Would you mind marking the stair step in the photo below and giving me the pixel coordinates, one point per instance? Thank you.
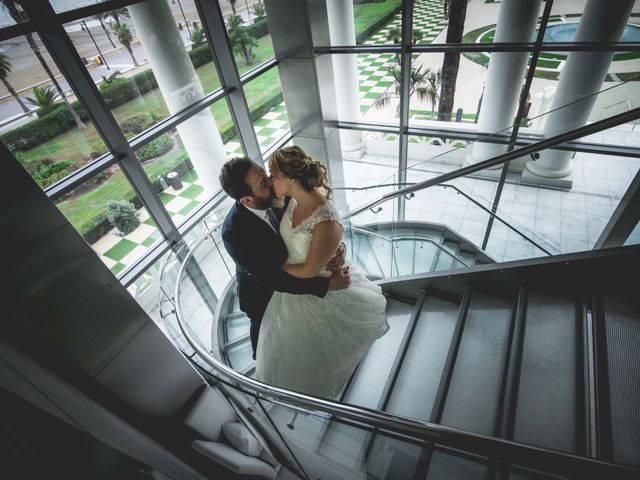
(417, 384)
(622, 320)
(468, 257)
(237, 324)
(446, 261)
(474, 393)
(372, 374)
(241, 355)
(547, 398)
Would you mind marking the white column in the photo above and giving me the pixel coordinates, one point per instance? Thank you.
(504, 79)
(582, 75)
(180, 86)
(345, 71)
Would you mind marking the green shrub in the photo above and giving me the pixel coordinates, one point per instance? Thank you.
(42, 129)
(46, 172)
(200, 55)
(155, 148)
(98, 148)
(137, 123)
(123, 216)
(259, 28)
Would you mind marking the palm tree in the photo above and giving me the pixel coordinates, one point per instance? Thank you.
(44, 98)
(101, 17)
(445, 6)
(5, 70)
(241, 40)
(197, 38)
(394, 35)
(451, 62)
(17, 13)
(433, 87)
(418, 85)
(124, 37)
(258, 11)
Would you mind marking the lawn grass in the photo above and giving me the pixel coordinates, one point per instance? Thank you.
(368, 13)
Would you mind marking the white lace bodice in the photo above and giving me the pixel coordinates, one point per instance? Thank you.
(298, 238)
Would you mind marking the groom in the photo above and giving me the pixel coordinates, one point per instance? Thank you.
(251, 236)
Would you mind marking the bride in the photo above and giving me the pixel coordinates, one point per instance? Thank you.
(309, 344)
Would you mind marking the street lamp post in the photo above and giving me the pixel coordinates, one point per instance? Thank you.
(184, 17)
(104, 60)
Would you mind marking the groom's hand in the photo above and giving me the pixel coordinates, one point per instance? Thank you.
(337, 262)
(340, 279)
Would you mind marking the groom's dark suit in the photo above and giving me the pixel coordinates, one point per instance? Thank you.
(259, 254)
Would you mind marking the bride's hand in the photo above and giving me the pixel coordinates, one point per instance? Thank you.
(337, 262)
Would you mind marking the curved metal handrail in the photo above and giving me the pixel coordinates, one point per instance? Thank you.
(422, 238)
(468, 197)
(508, 450)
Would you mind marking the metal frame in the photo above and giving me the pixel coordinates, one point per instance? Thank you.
(50, 25)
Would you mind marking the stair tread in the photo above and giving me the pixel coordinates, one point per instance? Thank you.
(546, 401)
(372, 374)
(416, 387)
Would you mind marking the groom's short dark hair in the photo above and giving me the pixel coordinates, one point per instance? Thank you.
(233, 177)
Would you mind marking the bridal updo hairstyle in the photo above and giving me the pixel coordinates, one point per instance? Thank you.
(293, 162)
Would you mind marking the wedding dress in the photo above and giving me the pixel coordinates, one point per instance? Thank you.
(309, 344)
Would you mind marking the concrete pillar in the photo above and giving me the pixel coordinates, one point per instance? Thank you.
(582, 75)
(180, 86)
(342, 31)
(516, 23)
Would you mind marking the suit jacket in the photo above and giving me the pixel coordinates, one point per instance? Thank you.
(259, 253)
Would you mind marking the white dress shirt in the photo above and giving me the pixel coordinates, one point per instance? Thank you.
(261, 214)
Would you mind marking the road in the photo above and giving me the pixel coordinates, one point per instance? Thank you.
(90, 40)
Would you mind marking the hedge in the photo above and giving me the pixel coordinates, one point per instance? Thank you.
(374, 27)
(259, 28)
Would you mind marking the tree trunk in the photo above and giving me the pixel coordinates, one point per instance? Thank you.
(36, 51)
(15, 94)
(479, 106)
(107, 34)
(457, 15)
(135, 62)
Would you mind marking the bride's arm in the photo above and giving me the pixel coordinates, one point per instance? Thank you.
(326, 238)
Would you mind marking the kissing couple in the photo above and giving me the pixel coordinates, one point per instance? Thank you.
(312, 317)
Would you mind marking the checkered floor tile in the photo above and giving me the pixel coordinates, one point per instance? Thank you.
(270, 128)
(372, 68)
(119, 252)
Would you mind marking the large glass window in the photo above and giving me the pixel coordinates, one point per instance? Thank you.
(110, 217)
(42, 123)
(267, 108)
(146, 64)
(248, 32)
